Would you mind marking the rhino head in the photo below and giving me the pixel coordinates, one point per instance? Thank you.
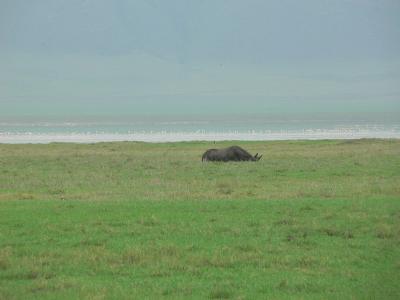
(256, 157)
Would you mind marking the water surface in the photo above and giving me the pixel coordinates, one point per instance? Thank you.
(152, 128)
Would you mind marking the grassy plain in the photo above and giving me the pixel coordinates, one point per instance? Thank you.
(311, 220)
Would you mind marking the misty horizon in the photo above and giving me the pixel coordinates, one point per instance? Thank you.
(73, 58)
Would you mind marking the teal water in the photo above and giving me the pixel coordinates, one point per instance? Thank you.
(198, 127)
(193, 123)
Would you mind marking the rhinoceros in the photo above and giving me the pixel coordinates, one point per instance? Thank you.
(233, 153)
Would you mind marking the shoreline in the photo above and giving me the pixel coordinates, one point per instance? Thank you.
(161, 137)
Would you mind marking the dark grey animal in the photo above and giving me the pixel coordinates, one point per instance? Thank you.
(233, 153)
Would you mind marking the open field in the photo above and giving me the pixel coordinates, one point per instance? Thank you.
(311, 220)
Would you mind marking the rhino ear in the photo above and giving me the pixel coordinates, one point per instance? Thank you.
(258, 158)
(255, 156)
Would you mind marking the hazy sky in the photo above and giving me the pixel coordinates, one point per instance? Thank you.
(179, 56)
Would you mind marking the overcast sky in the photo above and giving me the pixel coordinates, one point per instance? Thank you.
(180, 56)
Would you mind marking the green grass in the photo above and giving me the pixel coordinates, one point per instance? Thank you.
(311, 220)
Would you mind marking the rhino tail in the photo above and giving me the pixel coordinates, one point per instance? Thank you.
(203, 158)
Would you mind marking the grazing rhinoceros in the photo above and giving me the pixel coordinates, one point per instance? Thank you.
(233, 153)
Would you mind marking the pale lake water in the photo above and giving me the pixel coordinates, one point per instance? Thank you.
(195, 128)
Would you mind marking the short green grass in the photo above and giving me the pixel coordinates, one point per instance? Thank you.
(311, 220)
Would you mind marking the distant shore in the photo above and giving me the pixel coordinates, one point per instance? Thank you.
(155, 137)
